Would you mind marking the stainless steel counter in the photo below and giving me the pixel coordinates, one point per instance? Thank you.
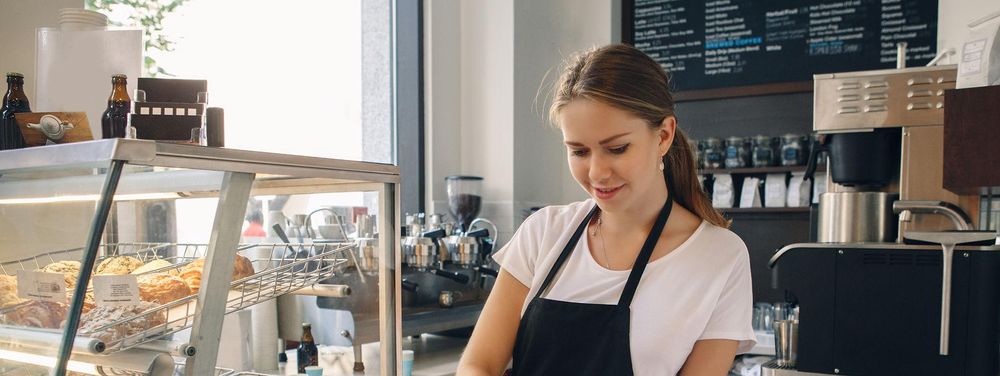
(773, 369)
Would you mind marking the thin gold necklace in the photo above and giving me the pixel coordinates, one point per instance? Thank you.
(604, 249)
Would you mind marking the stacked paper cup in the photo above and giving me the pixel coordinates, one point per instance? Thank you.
(81, 19)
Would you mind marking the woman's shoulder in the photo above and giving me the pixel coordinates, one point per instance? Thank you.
(721, 241)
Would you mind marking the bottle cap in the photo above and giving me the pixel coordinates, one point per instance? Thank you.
(15, 74)
(306, 325)
(119, 75)
(407, 355)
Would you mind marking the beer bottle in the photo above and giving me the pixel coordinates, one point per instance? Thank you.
(13, 102)
(114, 122)
(308, 354)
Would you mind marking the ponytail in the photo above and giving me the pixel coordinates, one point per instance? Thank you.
(681, 176)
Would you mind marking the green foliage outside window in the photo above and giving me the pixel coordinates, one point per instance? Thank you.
(149, 15)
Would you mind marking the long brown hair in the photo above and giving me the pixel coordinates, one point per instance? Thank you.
(623, 77)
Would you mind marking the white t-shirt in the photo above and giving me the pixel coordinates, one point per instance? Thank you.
(701, 290)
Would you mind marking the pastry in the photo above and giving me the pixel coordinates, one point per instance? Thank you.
(92, 322)
(192, 276)
(69, 269)
(37, 314)
(8, 290)
(88, 300)
(154, 265)
(191, 273)
(162, 288)
(242, 268)
(8, 283)
(118, 265)
(8, 298)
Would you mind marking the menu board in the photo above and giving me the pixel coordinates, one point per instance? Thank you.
(736, 43)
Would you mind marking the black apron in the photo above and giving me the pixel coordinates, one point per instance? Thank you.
(566, 338)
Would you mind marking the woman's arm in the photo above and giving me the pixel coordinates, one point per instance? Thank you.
(489, 350)
(710, 357)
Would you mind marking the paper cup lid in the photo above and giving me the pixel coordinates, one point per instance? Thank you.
(407, 354)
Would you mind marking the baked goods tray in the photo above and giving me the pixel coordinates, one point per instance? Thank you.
(279, 268)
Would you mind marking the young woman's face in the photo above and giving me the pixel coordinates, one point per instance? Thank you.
(614, 155)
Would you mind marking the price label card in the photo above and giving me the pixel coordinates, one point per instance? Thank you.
(37, 285)
(116, 290)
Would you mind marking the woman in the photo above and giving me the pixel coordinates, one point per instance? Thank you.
(642, 278)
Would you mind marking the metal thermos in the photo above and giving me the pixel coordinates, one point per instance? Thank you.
(786, 342)
(856, 217)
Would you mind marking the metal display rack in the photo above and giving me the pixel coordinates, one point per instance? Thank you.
(231, 176)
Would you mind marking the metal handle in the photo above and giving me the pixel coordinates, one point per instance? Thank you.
(947, 209)
(947, 251)
(284, 237)
(454, 276)
(174, 348)
(327, 291)
(308, 222)
(488, 271)
(409, 286)
(48, 339)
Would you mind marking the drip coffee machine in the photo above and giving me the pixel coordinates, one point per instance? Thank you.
(889, 300)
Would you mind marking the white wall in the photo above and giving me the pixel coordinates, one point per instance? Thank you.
(487, 76)
(469, 98)
(18, 21)
(953, 18)
(486, 102)
(546, 33)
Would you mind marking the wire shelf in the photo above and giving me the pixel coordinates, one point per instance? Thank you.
(280, 268)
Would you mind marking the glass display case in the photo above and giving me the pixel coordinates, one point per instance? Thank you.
(111, 249)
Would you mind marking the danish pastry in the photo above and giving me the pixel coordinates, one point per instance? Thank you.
(154, 265)
(38, 314)
(93, 321)
(69, 269)
(162, 288)
(118, 265)
(191, 273)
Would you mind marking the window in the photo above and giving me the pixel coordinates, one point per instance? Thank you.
(289, 76)
(301, 77)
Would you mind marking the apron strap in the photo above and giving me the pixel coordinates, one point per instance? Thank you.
(647, 251)
(565, 252)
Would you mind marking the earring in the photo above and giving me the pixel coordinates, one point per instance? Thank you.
(661, 165)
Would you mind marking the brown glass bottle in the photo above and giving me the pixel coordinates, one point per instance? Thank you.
(114, 122)
(13, 102)
(308, 354)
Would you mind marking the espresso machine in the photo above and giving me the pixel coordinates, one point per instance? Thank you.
(898, 282)
(447, 271)
(446, 264)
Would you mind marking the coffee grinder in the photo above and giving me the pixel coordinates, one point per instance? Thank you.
(464, 199)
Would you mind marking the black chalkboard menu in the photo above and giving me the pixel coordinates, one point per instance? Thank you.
(721, 48)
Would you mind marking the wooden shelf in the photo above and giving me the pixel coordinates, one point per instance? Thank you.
(757, 170)
(762, 210)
